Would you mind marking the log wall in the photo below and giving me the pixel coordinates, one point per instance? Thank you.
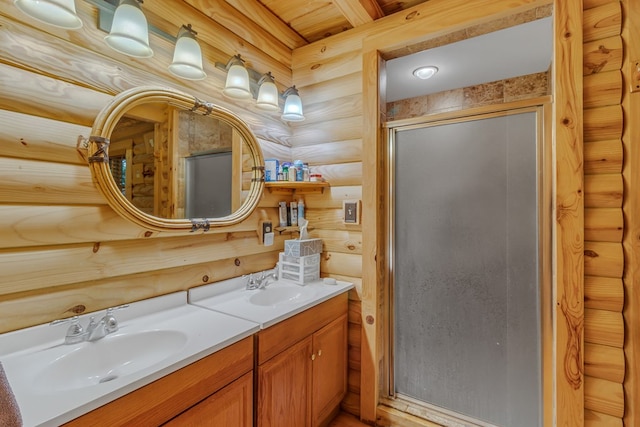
(604, 364)
(631, 209)
(63, 250)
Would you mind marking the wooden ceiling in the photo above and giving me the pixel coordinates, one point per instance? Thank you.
(299, 22)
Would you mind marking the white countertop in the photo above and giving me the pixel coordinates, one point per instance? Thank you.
(51, 387)
(232, 298)
(21, 354)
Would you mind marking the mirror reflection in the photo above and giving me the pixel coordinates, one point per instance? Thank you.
(174, 163)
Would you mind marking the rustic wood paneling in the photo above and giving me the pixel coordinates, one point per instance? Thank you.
(597, 419)
(631, 207)
(603, 191)
(603, 157)
(602, 55)
(603, 327)
(347, 151)
(604, 223)
(65, 301)
(28, 137)
(604, 293)
(63, 249)
(602, 21)
(604, 396)
(603, 123)
(32, 181)
(603, 259)
(603, 89)
(603, 361)
(569, 205)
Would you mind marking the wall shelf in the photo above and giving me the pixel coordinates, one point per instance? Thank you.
(290, 229)
(299, 187)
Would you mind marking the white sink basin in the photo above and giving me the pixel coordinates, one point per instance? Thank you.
(54, 382)
(275, 296)
(110, 358)
(280, 300)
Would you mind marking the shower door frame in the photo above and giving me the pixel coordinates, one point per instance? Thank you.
(542, 107)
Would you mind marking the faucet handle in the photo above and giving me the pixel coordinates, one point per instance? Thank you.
(75, 332)
(119, 307)
(110, 322)
(252, 283)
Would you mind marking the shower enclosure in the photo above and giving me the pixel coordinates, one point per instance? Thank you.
(466, 255)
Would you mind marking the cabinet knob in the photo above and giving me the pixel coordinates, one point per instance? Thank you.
(313, 356)
(319, 353)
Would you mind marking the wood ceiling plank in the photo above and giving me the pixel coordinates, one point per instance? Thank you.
(359, 12)
(238, 24)
(262, 55)
(263, 17)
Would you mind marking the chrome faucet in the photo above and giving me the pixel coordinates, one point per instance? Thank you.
(261, 281)
(95, 329)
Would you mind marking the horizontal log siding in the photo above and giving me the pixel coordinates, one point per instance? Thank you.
(604, 225)
(330, 139)
(631, 208)
(63, 249)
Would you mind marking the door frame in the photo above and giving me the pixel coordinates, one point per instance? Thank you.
(542, 107)
(564, 403)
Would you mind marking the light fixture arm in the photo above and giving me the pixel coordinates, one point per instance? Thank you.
(267, 77)
(235, 60)
(290, 91)
(187, 31)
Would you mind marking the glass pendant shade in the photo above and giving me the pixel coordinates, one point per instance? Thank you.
(292, 106)
(187, 56)
(129, 31)
(59, 13)
(267, 94)
(237, 85)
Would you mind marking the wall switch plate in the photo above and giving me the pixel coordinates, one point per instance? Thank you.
(351, 211)
(265, 233)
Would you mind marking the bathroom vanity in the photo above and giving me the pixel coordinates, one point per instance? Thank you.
(273, 357)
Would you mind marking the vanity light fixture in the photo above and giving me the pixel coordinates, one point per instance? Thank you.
(237, 84)
(425, 73)
(187, 56)
(129, 30)
(243, 83)
(292, 106)
(59, 13)
(268, 93)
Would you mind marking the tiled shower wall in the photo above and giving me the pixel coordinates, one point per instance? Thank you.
(497, 92)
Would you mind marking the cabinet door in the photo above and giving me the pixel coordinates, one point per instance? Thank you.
(329, 370)
(230, 407)
(284, 387)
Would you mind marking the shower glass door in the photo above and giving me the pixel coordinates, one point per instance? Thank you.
(465, 268)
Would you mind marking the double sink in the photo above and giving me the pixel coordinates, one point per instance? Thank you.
(54, 382)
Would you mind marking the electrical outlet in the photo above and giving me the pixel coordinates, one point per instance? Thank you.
(351, 211)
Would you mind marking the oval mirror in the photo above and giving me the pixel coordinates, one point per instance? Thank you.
(169, 161)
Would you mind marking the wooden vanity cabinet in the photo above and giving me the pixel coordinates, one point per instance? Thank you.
(302, 367)
(231, 406)
(216, 390)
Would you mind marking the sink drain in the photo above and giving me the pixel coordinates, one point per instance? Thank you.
(108, 378)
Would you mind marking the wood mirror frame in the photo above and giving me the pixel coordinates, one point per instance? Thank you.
(98, 152)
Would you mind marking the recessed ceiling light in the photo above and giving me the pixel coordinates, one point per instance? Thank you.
(425, 73)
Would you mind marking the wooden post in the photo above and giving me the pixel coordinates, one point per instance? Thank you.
(568, 213)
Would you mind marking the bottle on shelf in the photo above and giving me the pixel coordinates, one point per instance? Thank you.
(300, 210)
(294, 213)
